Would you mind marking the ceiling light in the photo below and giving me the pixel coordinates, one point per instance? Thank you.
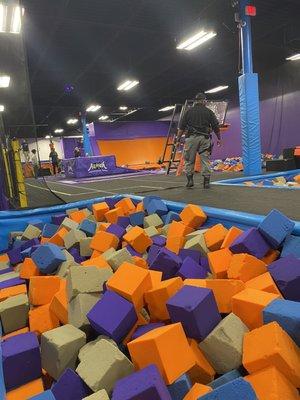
(93, 108)
(58, 131)
(4, 81)
(103, 117)
(16, 20)
(217, 89)
(132, 111)
(48, 137)
(295, 57)
(168, 108)
(196, 40)
(2, 108)
(3, 14)
(72, 121)
(123, 108)
(128, 85)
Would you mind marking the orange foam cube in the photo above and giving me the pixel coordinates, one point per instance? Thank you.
(156, 278)
(130, 282)
(59, 303)
(95, 254)
(166, 347)
(138, 239)
(230, 237)
(269, 346)
(263, 282)
(4, 257)
(157, 298)
(103, 226)
(193, 216)
(175, 243)
(140, 206)
(113, 215)
(178, 229)
(297, 177)
(42, 289)
(271, 256)
(98, 262)
(103, 241)
(58, 237)
(197, 391)
(248, 305)
(245, 267)
(26, 391)
(99, 210)
(28, 269)
(140, 262)
(12, 291)
(126, 205)
(223, 289)
(15, 333)
(78, 216)
(219, 262)
(214, 237)
(270, 383)
(41, 319)
(202, 371)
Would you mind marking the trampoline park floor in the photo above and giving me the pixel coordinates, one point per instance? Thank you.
(170, 187)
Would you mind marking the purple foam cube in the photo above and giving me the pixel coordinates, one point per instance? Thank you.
(15, 256)
(57, 219)
(113, 316)
(205, 264)
(152, 253)
(21, 360)
(146, 384)
(6, 270)
(159, 240)
(116, 230)
(191, 270)
(251, 242)
(123, 221)
(12, 282)
(141, 330)
(194, 254)
(167, 262)
(286, 274)
(196, 309)
(111, 201)
(75, 252)
(29, 243)
(70, 387)
(276, 227)
(26, 253)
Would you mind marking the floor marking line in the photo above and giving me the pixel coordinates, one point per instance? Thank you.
(83, 187)
(63, 193)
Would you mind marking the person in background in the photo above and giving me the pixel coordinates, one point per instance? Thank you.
(35, 164)
(77, 152)
(198, 123)
(25, 150)
(53, 156)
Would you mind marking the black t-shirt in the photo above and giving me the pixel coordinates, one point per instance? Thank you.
(25, 146)
(200, 118)
(54, 157)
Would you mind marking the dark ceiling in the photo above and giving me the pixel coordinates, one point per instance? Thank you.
(95, 44)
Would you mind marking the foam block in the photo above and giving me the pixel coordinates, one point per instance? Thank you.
(287, 314)
(276, 227)
(251, 242)
(28, 269)
(79, 216)
(156, 206)
(42, 289)
(88, 227)
(49, 230)
(171, 216)
(146, 384)
(113, 316)
(248, 305)
(57, 219)
(59, 349)
(219, 262)
(101, 395)
(286, 274)
(113, 215)
(116, 230)
(11, 282)
(126, 204)
(123, 221)
(25, 391)
(234, 390)
(158, 240)
(138, 239)
(78, 309)
(180, 387)
(291, 247)
(15, 256)
(41, 319)
(215, 236)
(59, 303)
(167, 262)
(69, 224)
(96, 261)
(153, 220)
(263, 282)
(103, 241)
(270, 383)
(21, 360)
(137, 219)
(86, 280)
(48, 258)
(141, 330)
(193, 216)
(228, 377)
(194, 254)
(157, 297)
(271, 256)
(202, 371)
(12, 291)
(31, 232)
(58, 237)
(197, 391)
(269, 346)
(84, 247)
(245, 267)
(232, 234)
(223, 347)
(70, 387)
(119, 257)
(14, 313)
(190, 305)
(191, 270)
(99, 210)
(197, 243)
(104, 367)
(73, 238)
(47, 395)
(152, 232)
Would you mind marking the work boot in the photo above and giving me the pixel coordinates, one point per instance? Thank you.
(190, 182)
(206, 182)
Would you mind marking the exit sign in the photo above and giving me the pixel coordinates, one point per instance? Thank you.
(251, 11)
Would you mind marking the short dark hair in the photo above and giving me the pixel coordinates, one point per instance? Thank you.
(200, 97)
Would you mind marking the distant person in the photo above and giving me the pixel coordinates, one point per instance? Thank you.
(25, 150)
(53, 156)
(77, 152)
(197, 123)
(35, 164)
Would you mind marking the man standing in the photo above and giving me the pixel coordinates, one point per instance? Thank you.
(53, 156)
(35, 164)
(197, 123)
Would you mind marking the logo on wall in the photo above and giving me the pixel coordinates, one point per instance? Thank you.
(97, 166)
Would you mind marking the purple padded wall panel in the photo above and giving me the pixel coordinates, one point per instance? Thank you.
(131, 130)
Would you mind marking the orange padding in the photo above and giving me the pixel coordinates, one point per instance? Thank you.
(134, 151)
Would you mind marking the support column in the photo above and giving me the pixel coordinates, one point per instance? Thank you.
(249, 100)
(87, 147)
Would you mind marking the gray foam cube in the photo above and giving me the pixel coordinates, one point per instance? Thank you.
(108, 253)
(197, 243)
(9, 275)
(86, 280)
(128, 228)
(151, 231)
(69, 224)
(165, 229)
(101, 395)
(84, 247)
(31, 232)
(79, 307)
(196, 233)
(153, 220)
(64, 268)
(223, 347)
(117, 258)
(88, 349)
(91, 218)
(60, 348)
(104, 367)
(14, 313)
(73, 237)
(4, 265)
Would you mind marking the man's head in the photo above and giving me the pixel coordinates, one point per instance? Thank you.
(33, 151)
(200, 98)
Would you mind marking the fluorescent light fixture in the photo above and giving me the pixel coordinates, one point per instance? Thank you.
(127, 85)
(48, 137)
(196, 40)
(72, 121)
(2, 108)
(16, 21)
(168, 108)
(3, 15)
(132, 111)
(58, 131)
(93, 108)
(217, 89)
(295, 57)
(4, 81)
(103, 117)
(123, 108)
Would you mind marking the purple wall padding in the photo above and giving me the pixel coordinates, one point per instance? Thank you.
(69, 145)
(131, 130)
